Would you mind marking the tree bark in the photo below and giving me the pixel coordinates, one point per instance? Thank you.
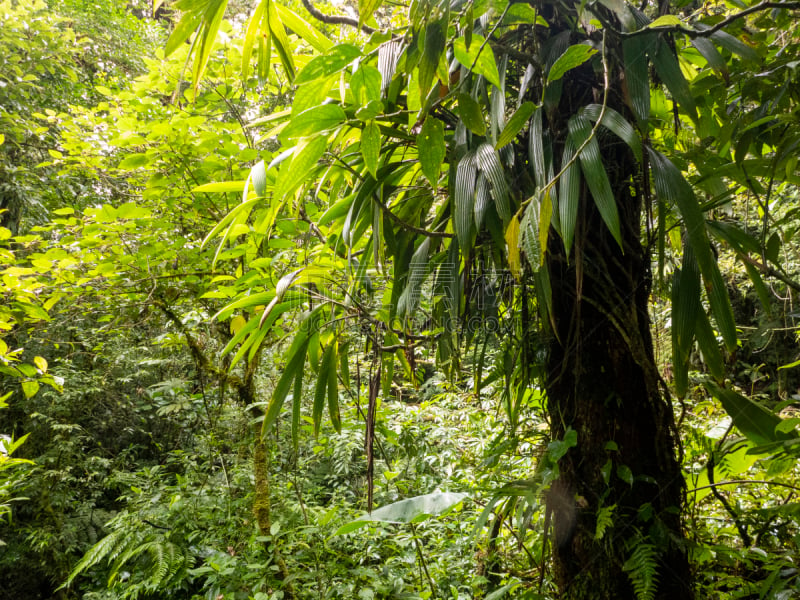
(602, 382)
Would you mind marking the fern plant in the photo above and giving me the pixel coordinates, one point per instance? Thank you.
(154, 562)
(642, 568)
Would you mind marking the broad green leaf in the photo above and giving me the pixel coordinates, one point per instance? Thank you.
(752, 419)
(480, 55)
(595, 174)
(470, 112)
(29, 388)
(515, 124)
(410, 510)
(41, 363)
(431, 148)
(371, 147)
(573, 57)
(673, 188)
(314, 120)
(336, 59)
(297, 398)
(435, 41)
(365, 84)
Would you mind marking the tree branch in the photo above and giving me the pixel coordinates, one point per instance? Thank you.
(335, 19)
(696, 33)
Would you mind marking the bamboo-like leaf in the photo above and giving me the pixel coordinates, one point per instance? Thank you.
(751, 418)
(257, 30)
(366, 8)
(297, 398)
(432, 149)
(314, 120)
(515, 124)
(333, 61)
(417, 271)
(280, 40)
(435, 40)
(371, 147)
(464, 199)
(482, 200)
(471, 115)
(707, 49)
(333, 392)
(488, 162)
(512, 243)
(479, 54)
(294, 367)
(673, 188)
(293, 174)
(595, 174)
(686, 309)
(569, 188)
(637, 80)
(616, 124)
(310, 34)
(189, 23)
(326, 365)
(573, 57)
(669, 71)
(733, 44)
(707, 342)
(536, 149)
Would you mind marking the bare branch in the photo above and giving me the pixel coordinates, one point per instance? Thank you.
(335, 19)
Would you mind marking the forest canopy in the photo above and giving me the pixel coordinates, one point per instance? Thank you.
(437, 299)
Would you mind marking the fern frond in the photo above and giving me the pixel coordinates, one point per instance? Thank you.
(105, 548)
(605, 519)
(642, 569)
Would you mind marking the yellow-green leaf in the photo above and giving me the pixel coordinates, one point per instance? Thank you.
(371, 147)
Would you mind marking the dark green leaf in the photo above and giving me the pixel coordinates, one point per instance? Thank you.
(336, 59)
(480, 55)
(470, 112)
(573, 57)
(595, 174)
(515, 124)
(432, 149)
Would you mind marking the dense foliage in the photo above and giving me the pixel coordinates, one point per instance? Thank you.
(445, 300)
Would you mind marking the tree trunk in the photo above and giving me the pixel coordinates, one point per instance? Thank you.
(603, 383)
